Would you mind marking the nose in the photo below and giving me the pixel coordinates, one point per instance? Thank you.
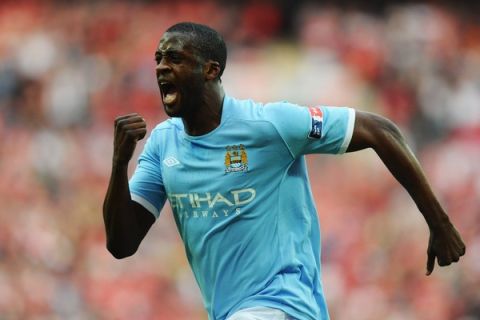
(162, 67)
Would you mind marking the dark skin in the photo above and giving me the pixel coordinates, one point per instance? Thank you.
(198, 98)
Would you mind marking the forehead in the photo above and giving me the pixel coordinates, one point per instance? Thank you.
(175, 41)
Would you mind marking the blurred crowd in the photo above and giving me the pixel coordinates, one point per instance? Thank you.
(66, 71)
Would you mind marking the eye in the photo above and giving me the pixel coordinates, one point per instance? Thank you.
(175, 57)
(171, 57)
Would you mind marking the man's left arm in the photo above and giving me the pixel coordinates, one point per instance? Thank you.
(380, 134)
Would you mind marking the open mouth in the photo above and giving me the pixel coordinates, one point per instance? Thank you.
(169, 93)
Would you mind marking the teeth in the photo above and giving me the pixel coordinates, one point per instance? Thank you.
(170, 98)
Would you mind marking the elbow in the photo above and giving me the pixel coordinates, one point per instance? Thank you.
(373, 131)
(384, 132)
(386, 127)
(120, 252)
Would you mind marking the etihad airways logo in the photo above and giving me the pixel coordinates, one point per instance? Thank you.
(210, 205)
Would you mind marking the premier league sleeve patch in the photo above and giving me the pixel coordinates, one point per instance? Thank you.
(317, 121)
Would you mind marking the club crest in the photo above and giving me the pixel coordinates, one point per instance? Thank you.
(236, 159)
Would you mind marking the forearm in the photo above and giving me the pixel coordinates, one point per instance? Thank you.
(404, 166)
(119, 218)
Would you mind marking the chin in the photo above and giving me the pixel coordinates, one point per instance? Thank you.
(170, 112)
(173, 111)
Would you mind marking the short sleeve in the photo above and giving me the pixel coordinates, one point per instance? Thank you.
(146, 184)
(307, 130)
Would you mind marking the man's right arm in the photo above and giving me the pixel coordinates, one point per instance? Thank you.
(126, 221)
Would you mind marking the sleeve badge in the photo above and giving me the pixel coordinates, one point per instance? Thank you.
(317, 121)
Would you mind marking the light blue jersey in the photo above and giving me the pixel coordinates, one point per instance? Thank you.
(242, 202)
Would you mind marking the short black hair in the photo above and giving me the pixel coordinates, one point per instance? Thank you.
(207, 40)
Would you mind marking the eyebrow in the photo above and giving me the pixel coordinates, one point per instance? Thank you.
(161, 52)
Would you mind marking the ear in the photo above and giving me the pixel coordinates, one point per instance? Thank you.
(212, 70)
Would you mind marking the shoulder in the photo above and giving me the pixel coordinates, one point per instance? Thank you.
(284, 114)
(254, 110)
(282, 106)
(242, 109)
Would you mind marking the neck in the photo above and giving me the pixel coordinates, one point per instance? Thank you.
(208, 114)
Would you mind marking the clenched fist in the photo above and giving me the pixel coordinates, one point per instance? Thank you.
(128, 130)
(446, 245)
